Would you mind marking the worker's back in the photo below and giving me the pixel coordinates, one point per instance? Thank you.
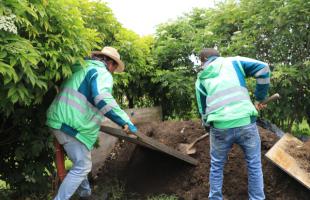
(73, 110)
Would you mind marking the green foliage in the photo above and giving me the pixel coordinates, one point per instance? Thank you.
(135, 81)
(40, 40)
(277, 31)
(50, 37)
(134, 50)
(272, 31)
(173, 46)
(292, 82)
(114, 187)
(25, 156)
(98, 16)
(173, 81)
(175, 91)
(301, 129)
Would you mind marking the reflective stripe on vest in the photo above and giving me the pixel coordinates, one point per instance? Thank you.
(226, 92)
(262, 71)
(100, 97)
(71, 102)
(96, 118)
(81, 97)
(107, 107)
(263, 80)
(230, 91)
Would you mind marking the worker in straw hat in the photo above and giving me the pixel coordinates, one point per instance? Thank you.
(77, 112)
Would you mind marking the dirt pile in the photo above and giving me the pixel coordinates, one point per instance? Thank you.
(302, 154)
(146, 172)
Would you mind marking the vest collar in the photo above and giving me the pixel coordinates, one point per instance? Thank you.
(210, 59)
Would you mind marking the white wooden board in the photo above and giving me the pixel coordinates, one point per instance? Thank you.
(278, 155)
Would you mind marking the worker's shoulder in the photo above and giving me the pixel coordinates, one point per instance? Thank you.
(234, 58)
(95, 63)
(96, 66)
(245, 60)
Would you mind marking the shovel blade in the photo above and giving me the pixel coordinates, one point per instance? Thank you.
(191, 151)
(186, 149)
(182, 148)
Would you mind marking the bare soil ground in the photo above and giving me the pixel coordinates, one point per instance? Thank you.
(145, 172)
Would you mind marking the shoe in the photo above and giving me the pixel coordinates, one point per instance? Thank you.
(104, 196)
(86, 198)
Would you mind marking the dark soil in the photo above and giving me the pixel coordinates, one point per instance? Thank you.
(145, 172)
(302, 154)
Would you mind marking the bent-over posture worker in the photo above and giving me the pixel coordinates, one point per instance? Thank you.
(78, 111)
(225, 104)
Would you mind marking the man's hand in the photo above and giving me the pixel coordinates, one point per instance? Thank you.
(263, 104)
(260, 106)
(128, 131)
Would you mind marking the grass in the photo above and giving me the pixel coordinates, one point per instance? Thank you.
(3, 185)
(302, 128)
(4, 190)
(113, 186)
(116, 190)
(163, 197)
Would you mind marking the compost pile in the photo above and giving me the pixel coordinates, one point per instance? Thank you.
(146, 172)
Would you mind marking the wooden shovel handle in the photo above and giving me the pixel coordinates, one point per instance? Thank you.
(200, 138)
(271, 98)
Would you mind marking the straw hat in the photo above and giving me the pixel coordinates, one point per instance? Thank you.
(114, 55)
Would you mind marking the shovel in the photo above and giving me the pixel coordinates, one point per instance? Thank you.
(271, 98)
(189, 148)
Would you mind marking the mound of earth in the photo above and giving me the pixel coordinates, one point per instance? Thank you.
(144, 172)
(302, 154)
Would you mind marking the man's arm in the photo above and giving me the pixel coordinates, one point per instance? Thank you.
(261, 72)
(201, 97)
(106, 104)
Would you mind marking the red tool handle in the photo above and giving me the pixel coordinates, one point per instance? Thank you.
(60, 160)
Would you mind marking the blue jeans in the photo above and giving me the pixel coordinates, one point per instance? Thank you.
(76, 179)
(221, 141)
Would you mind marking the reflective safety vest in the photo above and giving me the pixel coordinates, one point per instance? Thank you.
(221, 96)
(83, 102)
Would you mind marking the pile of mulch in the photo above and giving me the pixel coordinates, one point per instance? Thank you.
(145, 172)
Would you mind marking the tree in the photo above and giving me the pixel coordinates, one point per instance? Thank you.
(273, 31)
(39, 42)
